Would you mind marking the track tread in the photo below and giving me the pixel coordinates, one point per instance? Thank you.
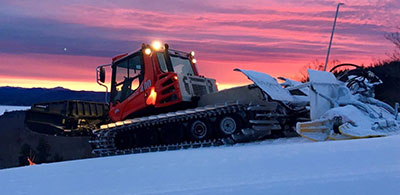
(104, 139)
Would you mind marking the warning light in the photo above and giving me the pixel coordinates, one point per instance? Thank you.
(176, 78)
(156, 45)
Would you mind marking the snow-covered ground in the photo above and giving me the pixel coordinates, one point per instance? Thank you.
(284, 166)
(5, 108)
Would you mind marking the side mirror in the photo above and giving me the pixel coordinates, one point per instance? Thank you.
(101, 77)
(102, 74)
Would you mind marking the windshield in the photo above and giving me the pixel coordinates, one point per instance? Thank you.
(181, 65)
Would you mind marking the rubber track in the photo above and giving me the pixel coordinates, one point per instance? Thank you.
(103, 141)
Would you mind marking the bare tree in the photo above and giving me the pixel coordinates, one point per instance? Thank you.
(394, 37)
(316, 65)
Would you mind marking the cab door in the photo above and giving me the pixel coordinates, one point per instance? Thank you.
(126, 96)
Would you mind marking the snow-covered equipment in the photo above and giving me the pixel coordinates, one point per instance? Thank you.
(346, 110)
(168, 105)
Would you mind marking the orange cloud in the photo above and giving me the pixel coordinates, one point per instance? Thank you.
(50, 83)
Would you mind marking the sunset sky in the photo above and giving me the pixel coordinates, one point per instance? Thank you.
(51, 43)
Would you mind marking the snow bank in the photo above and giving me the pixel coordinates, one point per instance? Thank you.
(4, 108)
(284, 166)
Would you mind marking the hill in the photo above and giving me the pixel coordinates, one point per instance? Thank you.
(17, 143)
(389, 73)
(28, 96)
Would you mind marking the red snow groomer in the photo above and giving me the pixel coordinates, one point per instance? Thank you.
(159, 101)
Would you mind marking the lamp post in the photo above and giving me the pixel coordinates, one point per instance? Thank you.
(333, 30)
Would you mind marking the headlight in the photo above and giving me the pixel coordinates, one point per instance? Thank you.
(147, 51)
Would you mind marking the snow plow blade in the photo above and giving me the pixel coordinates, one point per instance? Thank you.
(314, 130)
(352, 132)
(320, 130)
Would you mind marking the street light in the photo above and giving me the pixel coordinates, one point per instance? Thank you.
(333, 30)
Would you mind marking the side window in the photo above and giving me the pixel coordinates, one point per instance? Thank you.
(135, 84)
(135, 70)
(128, 77)
(121, 74)
(161, 61)
(122, 71)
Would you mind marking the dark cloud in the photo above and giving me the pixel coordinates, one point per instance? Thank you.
(34, 35)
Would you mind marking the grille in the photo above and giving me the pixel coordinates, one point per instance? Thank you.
(210, 86)
(197, 79)
(199, 90)
(185, 82)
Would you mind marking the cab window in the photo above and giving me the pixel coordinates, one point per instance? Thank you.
(161, 62)
(181, 65)
(128, 76)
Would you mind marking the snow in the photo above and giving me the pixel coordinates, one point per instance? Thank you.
(323, 77)
(6, 108)
(268, 84)
(283, 166)
(360, 124)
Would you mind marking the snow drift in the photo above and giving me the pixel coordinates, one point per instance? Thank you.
(4, 108)
(283, 166)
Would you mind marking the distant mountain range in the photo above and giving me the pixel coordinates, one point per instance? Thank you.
(27, 96)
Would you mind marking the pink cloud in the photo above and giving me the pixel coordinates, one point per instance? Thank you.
(276, 37)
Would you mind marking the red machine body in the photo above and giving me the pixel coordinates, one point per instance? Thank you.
(150, 79)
